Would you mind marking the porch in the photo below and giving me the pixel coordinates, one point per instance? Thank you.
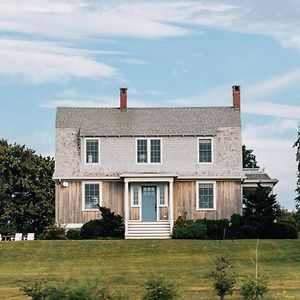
(148, 206)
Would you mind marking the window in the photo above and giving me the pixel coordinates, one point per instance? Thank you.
(205, 150)
(92, 151)
(142, 151)
(149, 151)
(91, 195)
(155, 151)
(206, 196)
(135, 196)
(162, 196)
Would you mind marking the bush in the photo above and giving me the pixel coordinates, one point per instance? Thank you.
(189, 230)
(159, 289)
(284, 231)
(70, 290)
(111, 225)
(73, 234)
(215, 228)
(54, 232)
(254, 289)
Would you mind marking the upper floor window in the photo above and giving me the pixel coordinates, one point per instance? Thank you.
(148, 151)
(205, 150)
(92, 151)
(206, 197)
(91, 194)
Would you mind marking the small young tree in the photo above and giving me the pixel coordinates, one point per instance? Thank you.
(159, 289)
(224, 280)
(257, 287)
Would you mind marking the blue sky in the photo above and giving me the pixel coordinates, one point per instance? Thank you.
(168, 53)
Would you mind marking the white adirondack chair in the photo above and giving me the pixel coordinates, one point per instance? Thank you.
(0, 237)
(29, 237)
(18, 237)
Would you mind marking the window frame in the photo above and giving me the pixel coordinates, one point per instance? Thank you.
(84, 183)
(85, 158)
(165, 187)
(214, 196)
(212, 150)
(138, 187)
(148, 151)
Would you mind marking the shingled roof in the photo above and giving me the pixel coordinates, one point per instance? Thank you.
(192, 121)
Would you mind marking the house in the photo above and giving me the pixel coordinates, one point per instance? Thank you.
(150, 165)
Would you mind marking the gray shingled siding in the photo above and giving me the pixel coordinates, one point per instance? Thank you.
(118, 155)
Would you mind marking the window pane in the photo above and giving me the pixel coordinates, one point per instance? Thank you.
(155, 151)
(92, 195)
(92, 151)
(135, 196)
(141, 151)
(205, 150)
(162, 196)
(206, 195)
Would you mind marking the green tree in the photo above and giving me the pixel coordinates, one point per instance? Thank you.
(249, 159)
(224, 280)
(26, 189)
(297, 146)
(261, 209)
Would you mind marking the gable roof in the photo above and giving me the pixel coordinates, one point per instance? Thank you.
(176, 121)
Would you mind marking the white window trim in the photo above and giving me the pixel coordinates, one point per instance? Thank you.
(83, 194)
(212, 150)
(91, 138)
(139, 195)
(148, 151)
(158, 195)
(215, 195)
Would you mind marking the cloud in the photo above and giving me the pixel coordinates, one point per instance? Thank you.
(40, 62)
(133, 61)
(272, 110)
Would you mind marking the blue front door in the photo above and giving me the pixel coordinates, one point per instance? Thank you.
(149, 203)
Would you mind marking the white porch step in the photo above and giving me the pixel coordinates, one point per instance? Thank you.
(148, 230)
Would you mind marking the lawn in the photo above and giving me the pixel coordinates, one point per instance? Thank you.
(125, 265)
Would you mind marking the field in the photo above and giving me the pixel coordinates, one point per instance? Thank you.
(125, 265)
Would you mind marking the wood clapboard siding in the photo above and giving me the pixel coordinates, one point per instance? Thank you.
(69, 202)
(228, 200)
(163, 213)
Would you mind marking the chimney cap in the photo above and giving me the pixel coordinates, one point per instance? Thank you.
(236, 88)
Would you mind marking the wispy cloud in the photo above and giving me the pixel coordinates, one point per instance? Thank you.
(133, 61)
(40, 62)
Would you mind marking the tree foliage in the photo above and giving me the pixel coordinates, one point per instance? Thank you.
(297, 146)
(249, 159)
(26, 189)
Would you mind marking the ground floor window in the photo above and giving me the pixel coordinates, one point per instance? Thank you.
(206, 197)
(91, 196)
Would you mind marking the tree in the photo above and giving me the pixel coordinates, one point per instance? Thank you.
(297, 145)
(249, 159)
(223, 280)
(260, 211)
(26, 189)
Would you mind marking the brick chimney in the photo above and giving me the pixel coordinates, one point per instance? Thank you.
(123, 98)
(236, 96)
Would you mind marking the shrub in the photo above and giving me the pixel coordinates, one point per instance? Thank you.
(254, 289)
(73, 234)
(284, 231)
(215, 228)
(54, 232)
(223, 280)
(159, 289)
(70, 290)
(189, 230)
(111, 225)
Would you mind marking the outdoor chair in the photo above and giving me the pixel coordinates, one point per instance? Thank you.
(0, 237)
(17, 237)
(29, 237)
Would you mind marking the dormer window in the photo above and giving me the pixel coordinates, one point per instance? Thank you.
(92, 151)
(148, 151)
(205, 150)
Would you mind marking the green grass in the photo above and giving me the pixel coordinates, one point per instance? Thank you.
(126, 265)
